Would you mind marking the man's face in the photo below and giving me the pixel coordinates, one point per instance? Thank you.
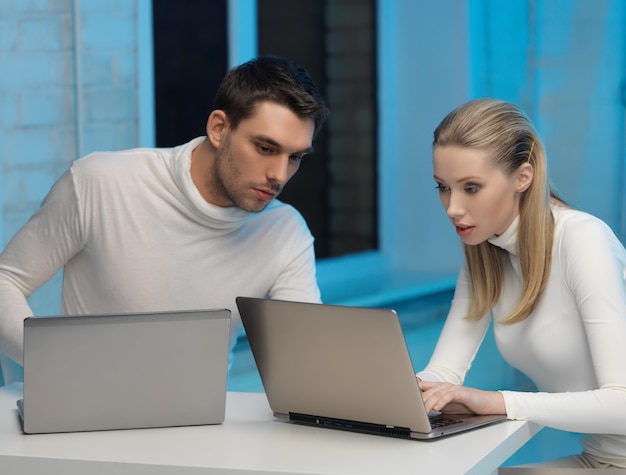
(254, 161)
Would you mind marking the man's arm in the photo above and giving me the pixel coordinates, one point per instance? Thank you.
(46, 242)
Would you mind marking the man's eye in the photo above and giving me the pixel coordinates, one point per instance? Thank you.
(265, 150)
(297, 158)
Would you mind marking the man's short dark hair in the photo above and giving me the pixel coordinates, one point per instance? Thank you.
(274, 79)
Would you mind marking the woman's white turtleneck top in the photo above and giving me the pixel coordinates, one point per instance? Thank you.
(573, 345)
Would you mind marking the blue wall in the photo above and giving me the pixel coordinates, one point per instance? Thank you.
(564, 62)
(75, 76)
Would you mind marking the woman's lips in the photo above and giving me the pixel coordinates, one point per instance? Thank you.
(464, 231)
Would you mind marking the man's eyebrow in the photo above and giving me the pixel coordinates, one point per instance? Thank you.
(273, 143)
(306, 151)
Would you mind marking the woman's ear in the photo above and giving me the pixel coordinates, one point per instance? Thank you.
(525, 174)
(216, 126)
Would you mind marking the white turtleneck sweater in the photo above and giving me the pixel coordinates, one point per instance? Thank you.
(135, 235)
(573, 345)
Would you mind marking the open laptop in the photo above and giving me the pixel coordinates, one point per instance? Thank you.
(341, 367)
(127, 371)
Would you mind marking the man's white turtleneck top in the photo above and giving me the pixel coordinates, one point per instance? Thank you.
(135, 235)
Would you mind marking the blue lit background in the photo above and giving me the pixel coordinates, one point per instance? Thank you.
(75, 76)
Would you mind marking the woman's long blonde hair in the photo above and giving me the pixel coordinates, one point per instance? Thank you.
(503, 131)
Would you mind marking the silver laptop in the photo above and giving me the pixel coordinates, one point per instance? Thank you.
(341, 367)
(104, 372)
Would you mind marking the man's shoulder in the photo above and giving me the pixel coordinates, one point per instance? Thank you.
(279, 207)
(283, 214)
(105, 159)
(119, 166)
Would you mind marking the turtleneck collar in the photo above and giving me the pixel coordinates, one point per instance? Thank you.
(214, 216)
(508, 239)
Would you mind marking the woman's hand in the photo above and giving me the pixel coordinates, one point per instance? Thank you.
(452, 398)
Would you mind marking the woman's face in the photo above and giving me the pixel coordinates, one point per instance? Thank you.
(480, 199)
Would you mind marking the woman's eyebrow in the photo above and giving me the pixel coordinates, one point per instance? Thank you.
(460, 180)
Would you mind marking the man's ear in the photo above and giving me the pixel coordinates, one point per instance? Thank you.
(525, 174)
(216, 127)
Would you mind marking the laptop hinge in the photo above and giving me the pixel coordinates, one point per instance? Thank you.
(342, 424)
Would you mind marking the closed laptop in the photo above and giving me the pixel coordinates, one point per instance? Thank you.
(126, 371)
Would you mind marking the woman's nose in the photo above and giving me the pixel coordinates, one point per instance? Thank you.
(454, 207)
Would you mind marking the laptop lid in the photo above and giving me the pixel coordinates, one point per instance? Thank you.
(102, 372)
(341, 367)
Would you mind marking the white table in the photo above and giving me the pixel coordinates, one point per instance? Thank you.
(250, 441)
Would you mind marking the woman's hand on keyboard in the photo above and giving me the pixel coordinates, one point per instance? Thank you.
(456, 399)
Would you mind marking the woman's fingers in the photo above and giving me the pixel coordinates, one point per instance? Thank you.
(447, 397)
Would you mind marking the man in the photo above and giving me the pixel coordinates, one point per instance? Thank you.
(181, 228)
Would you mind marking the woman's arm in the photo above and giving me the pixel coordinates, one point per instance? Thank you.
(459, 341)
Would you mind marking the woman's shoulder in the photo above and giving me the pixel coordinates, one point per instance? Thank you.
(579, 227)
(565, 216)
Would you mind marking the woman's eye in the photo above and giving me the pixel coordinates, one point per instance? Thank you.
(472, 189)
(441, 187)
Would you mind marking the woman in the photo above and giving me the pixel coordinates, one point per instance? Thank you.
(552, 279)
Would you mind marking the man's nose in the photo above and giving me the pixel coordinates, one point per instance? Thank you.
(278, 169)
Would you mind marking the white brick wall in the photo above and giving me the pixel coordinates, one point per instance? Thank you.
(68, 86)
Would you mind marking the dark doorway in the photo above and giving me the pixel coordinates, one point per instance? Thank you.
(190, 60)
(336, 188)
(281, 32)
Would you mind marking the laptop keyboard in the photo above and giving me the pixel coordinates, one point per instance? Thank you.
(439, 421)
